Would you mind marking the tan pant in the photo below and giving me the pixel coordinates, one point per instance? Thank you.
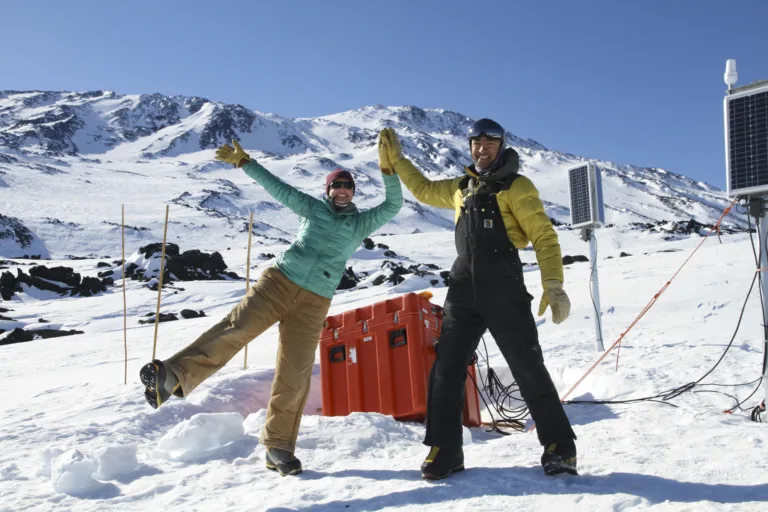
(301, 314)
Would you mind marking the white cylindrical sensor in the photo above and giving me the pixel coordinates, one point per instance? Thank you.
(730, 76)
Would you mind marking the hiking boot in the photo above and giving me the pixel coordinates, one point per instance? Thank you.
(559, 458)
(160, 383)
(441, 462)
(283, 461)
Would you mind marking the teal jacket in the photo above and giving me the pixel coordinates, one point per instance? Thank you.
(326, 238)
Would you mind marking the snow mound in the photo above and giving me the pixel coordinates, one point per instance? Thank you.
(71, 473)
(117, 460)
(200, 435)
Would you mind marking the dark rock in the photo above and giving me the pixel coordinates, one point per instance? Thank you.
(348, 280)
(106, 273)
(43, 321)
(42, 283)
(91, 286)
(164, 317)
(624, 254)
(58, 274)
(61, 280)
(108, 281)
(382, 246)
(192, 265)
(266, 255)
(9, 285)
(567, 260)
(148, 250)
(20, 335)
(191, 313)
(102, 264)
(390, 254)
(368, 244)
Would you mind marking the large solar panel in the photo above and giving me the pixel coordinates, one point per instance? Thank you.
(746, 139)
(578, 181)
(585, 190)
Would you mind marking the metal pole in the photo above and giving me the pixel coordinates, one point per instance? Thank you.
(595, 290)
(160, 284)
(248, 276)
(763, 233)
(125, 305)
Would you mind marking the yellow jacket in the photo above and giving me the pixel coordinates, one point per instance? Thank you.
(521, 209)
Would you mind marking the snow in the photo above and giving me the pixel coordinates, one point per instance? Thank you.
(201, 436)
(72, 435)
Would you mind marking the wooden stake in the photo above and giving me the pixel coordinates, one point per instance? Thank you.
(125, 306)
(160, 285)
(248, 275)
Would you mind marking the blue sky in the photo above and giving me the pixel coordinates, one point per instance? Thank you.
(633, 82)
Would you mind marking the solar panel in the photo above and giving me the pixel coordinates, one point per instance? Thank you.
(586, 194)
(746, 141)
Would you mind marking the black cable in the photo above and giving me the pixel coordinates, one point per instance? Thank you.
(665, 396)
(756, 412)
(501, 397)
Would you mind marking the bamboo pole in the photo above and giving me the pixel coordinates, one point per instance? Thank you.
(125, 305)
(248, 275)
(160, 285)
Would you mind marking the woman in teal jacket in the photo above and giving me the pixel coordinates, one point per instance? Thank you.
(296, 292)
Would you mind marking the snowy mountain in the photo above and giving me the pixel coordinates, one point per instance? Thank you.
(69, 160)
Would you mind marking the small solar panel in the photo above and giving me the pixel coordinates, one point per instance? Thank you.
(746, 141)
(586, 194)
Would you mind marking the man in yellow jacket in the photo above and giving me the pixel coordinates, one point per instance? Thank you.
(498, 212)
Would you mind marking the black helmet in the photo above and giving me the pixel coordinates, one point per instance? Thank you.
(492, 130)
(487, 127)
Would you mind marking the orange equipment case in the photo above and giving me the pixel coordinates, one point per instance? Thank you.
(377, 359)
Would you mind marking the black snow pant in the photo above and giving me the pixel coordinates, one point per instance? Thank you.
(490, 294)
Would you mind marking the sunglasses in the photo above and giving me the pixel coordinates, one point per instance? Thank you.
(343, 184)
(486, 135)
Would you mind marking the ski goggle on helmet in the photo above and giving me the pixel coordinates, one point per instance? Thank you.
(488, 127)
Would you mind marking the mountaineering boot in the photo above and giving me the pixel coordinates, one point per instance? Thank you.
(160, 383)
(441, 462)
(283, 461)
(559, 458)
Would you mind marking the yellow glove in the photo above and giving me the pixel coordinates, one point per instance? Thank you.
(389, 145)
(236, 156)
(555, 296)
(384, 164)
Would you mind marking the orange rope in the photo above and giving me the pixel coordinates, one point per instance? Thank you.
(645, 310)
(664, 288)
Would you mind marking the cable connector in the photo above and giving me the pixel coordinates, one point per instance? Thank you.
(757, 413)
(756, 207)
